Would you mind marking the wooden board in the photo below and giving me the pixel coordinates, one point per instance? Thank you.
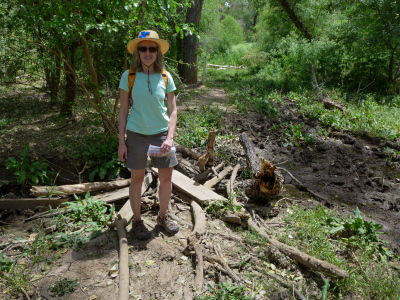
(192, 188)
(30, 203)
(113, 196)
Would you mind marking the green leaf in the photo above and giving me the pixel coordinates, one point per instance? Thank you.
(357, 213)
(25, 152)
(93, 173)
(21, 177)
(103, 172)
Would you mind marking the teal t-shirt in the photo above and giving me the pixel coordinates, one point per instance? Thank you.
(149, 113)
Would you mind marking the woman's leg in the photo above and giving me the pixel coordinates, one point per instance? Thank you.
(135, 192)
(164, 193)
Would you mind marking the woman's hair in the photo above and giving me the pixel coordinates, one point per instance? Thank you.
(137, 64)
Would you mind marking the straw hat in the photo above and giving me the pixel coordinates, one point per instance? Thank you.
(148, 35)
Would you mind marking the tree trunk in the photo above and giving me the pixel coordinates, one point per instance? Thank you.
(70, 86)
(390, 77)
(54, 80)
(295, 19)
(190, 44)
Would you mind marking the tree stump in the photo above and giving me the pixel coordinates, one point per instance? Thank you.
(266, 180)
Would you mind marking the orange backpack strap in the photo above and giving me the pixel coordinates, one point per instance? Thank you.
(131, 81)
(165, 78)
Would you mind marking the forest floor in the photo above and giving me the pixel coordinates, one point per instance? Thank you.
(346, 170)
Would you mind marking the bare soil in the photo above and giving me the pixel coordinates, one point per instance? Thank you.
(346, 170)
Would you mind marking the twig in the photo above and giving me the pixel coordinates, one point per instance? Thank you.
(235, 277)
(25, 293)
(313, 75)
(359, 90)
(303, 186)
(284, 284)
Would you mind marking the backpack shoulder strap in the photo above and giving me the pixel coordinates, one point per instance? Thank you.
(165, 77)
(131, 81)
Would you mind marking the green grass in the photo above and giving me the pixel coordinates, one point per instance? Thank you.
(365, 114)
(193, 125)
(370, 273)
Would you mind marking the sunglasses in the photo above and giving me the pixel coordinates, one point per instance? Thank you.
(144, 49)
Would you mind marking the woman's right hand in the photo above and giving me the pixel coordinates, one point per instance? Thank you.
(122, 153)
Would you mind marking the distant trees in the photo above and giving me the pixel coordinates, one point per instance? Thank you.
(86, 41)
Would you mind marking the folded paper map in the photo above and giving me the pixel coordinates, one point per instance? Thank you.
(155, 151)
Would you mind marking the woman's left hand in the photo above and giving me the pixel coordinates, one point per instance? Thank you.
(166, 146)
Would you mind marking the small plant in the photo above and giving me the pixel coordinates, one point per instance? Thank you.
(226, 292)
(218, 208)
(243, 263)
(26, 171)
(359, 233)
(294, 136)
(266, 108)
(5, 263)
(102, 157)
(63, 287)
(89, 211)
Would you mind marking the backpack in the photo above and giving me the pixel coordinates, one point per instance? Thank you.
(132, 76)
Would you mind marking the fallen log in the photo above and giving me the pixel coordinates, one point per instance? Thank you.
(30, 203)
(187, 152)
(199, 277)
(123, 293)
(107, 197)
(266, 181)
(212, 182)
(79, 188)
(199, 219)
(228, 66)
(301, 257)
(330, 104)
(187, 168)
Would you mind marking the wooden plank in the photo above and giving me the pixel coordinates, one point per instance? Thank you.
(113, 196)
(192, 188)
(30, 203)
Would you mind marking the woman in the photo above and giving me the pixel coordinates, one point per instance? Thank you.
(148, 123)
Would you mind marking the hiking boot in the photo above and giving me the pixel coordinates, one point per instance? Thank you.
(140, 231)
(170, 226)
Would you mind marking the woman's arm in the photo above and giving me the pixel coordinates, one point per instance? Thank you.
(123, 115)
(166, 146)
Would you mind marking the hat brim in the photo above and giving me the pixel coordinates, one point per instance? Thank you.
(162, 44)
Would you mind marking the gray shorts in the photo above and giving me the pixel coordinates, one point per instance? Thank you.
(138, 144)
